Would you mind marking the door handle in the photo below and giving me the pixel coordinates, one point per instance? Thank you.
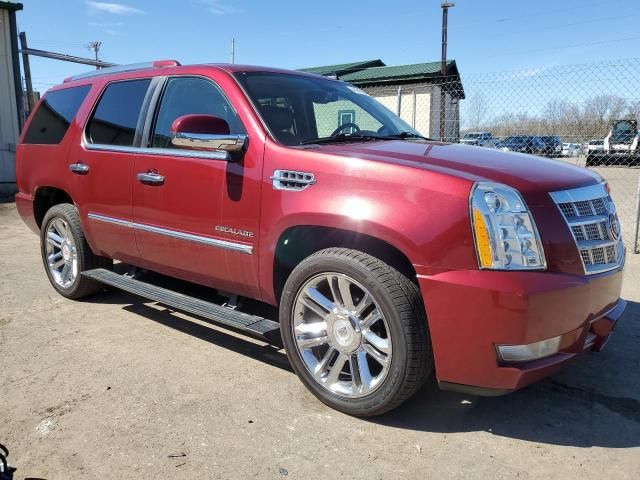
(150, 178)
(79, 168)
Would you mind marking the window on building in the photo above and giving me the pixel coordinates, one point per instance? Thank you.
(346, 116)
(54, 115)
(116, 116)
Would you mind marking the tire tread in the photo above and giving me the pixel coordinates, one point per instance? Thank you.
(407, 301)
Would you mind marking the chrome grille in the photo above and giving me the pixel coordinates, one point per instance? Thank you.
(589, 213)
(591, 231)
(600, 206)
(584, 208)
(567, 209)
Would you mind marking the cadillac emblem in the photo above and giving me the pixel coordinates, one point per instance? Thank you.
(614, 226)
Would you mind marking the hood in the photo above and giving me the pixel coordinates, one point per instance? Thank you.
(533, 176)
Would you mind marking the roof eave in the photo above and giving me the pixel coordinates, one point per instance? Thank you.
(10, 6)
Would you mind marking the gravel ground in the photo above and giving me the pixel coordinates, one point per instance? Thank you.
(114, 387)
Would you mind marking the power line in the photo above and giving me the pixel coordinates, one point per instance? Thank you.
(58, 42)
(520, 52)
(547, 12)
(558, 26)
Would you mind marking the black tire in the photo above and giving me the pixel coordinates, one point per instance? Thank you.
(87, 260)
(401, 304)
(592, 160)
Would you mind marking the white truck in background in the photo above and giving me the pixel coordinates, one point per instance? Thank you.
(621, 144)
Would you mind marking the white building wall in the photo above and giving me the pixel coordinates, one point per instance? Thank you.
(415, 107)
(9, 129)
(389, 101)
(452, 117)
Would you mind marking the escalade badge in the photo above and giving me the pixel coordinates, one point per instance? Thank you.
(234, 231)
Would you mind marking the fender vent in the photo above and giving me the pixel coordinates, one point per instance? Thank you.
(291, 180)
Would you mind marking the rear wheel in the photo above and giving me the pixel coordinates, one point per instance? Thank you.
(355, 331)
(65, 253)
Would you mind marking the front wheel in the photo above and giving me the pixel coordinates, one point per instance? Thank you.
(355, 331)
(66, 253)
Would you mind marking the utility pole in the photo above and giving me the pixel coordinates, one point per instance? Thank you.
(233, 50)
(443, 66)
(27, 71)
(95, 46)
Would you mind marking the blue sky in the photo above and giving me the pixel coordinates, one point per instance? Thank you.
(484, 35)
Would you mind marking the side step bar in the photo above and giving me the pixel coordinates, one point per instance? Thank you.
(253, 325)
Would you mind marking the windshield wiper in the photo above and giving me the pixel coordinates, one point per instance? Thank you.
(343, 138)
(357, 138)
(407, 135)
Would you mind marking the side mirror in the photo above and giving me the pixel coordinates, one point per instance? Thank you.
(205, 132)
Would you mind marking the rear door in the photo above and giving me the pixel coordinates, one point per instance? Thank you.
(199, 220)
(103, 160)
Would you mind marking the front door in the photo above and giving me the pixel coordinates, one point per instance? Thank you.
(196, 215)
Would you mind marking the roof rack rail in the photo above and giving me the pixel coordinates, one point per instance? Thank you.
(124, 68)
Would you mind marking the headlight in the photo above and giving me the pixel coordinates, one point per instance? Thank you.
(505, 234)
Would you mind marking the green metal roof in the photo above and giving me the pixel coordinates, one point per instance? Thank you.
(375, 72)
(343, 68)
(399, 72)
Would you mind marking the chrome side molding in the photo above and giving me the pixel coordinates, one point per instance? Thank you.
(189, 237)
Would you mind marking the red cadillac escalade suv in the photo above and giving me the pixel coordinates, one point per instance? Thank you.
(392, 258)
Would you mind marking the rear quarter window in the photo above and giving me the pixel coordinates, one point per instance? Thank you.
(54, 115)
(115, 118)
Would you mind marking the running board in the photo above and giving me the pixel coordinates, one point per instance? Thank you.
(253, 325)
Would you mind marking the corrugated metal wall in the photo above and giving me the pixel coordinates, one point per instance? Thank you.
(9, 129)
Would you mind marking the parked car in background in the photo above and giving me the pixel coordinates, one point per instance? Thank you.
(480, 139)
(595, 153)
(523, 144)
(621, 145)
(571, 149)
(389, 258)
(552, 145)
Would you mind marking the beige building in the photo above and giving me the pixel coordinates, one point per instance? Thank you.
(410, 91)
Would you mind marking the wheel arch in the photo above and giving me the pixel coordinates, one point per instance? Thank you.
(297, 242)
(46, 197)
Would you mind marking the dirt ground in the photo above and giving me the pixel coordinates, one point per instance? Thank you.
(114, 387)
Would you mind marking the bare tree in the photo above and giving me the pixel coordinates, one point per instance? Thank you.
(477, 110)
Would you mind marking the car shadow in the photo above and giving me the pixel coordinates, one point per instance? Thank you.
(593, 402)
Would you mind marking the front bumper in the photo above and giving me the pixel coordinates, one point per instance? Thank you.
(470, 312)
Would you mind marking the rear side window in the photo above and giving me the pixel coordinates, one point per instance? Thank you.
(116, 116)
(54, 115)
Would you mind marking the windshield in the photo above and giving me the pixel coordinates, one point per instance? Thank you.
(301, 109)
(472, 136)
(624, 131)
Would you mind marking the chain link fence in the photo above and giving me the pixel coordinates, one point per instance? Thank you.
(585, 115)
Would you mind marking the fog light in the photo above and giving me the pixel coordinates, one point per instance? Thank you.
(532, 351)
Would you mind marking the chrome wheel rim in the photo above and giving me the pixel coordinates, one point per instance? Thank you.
(341, 335)
(61, 253)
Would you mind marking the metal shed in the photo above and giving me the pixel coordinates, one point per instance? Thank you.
(10, 96)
